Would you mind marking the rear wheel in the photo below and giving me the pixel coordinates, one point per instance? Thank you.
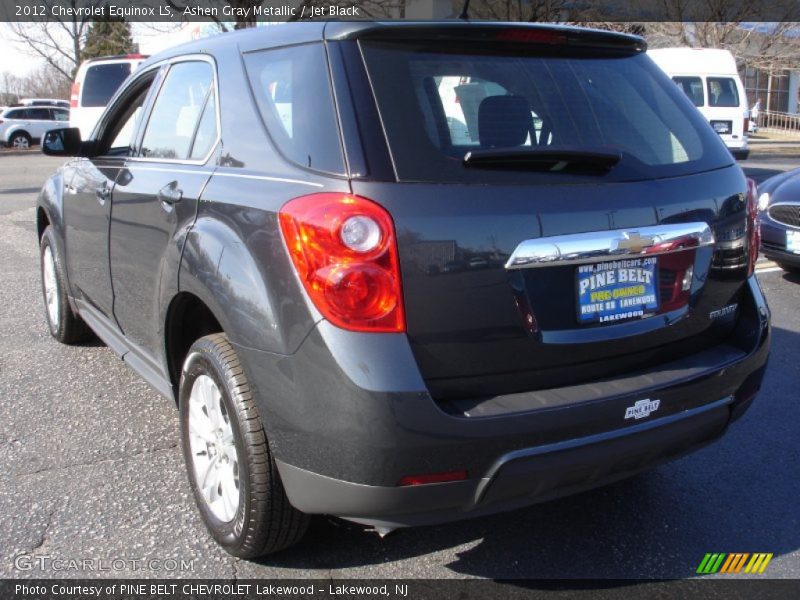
(231, 470)
(65, 325)
(20, 141)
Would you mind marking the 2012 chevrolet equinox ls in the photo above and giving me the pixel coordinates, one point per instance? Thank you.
(408, 273)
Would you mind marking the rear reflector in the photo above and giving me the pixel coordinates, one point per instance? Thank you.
(753, 231)
(427, 478)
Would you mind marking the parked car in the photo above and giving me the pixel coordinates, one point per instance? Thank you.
(95, 83)
(22, 126)
(779, 218)
(710, 79)
(275, 269)
(44, 102)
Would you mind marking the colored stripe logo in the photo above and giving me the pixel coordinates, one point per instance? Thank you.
(734, 562)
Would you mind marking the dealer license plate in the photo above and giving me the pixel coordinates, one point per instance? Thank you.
(617, 290)
(793, 241)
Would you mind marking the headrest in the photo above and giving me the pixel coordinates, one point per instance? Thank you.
(504, 121)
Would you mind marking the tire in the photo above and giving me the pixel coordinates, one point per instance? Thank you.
(794, 270)
(20, 141)
(66, 326)
(240, 496)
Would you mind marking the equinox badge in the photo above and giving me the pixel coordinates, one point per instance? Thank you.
(642, 409)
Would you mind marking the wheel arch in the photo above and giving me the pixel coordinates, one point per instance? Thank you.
(188, 318)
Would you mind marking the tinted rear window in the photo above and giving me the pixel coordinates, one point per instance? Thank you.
(722, 92)
(102, 81)
(432, 98)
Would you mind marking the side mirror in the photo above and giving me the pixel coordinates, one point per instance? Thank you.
(62, 142)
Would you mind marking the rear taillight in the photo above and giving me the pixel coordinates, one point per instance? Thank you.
(753, 232)
(73, 95)
(746, 126)
(344, 249)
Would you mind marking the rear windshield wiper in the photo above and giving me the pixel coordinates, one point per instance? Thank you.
(583, 161)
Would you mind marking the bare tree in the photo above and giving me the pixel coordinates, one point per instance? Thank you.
(12, 88)
(57, 41)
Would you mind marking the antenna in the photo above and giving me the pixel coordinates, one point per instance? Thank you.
(465, 11)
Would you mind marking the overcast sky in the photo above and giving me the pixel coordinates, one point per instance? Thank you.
(14, 59)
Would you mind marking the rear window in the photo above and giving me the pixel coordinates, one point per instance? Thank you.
(293, 93)
(692, 87)
(102, 81)
(437, 103)
(722, 92)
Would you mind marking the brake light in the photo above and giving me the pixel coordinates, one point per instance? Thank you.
(73, 95)
(344, 249)
(532, 36)
(753, 231)
(746, 126)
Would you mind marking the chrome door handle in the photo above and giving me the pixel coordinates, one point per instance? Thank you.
(103, 193)
(170, 193)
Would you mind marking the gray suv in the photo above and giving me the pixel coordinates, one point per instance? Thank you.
(409, 273)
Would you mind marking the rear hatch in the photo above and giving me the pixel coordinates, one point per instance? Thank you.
(563, 212)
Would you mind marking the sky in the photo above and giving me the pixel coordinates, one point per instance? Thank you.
(14, 59)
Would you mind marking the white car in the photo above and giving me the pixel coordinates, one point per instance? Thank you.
(22, 126)
(95, 83)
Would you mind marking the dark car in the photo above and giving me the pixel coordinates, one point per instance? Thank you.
(260, 227)
(779, 219)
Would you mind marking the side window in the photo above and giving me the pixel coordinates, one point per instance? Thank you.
(176, 111)
(39, 114)
(60, 115)
(17, 114)
(206, 129)
(692, 87)
(293, 94)
(118, 130)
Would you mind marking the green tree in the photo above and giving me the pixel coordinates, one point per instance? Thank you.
(106, 38)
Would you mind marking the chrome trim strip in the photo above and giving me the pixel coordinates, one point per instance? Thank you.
(596, 438)
(594, 246)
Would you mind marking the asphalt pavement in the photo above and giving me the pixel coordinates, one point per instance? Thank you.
(91, 472)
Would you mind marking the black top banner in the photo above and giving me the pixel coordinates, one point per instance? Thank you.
(255, 11)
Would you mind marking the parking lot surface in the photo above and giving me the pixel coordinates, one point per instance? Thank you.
(90, 468)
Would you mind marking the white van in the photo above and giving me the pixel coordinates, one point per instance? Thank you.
(95, 83)
(708, 76)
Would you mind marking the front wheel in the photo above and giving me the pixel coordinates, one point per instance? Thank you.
(231, 470)
(20, 141)
(64, 324)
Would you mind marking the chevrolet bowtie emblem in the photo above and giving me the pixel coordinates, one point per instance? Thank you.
(634, 242)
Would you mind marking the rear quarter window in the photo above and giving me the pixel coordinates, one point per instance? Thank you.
(293, 93)
(101, 81)
(431, 97)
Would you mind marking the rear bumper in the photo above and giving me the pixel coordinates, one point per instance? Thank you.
(355, 418)
(740, 153)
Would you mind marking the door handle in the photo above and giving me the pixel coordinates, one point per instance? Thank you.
(103, 193)
(170, 193)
